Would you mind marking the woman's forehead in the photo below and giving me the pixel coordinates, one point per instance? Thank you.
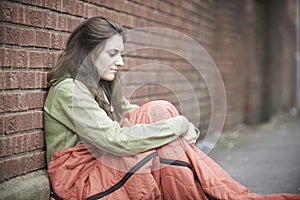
(114, 42)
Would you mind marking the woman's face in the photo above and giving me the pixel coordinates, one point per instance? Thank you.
(108, 59)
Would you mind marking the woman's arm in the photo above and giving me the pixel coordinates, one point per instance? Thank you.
(73, 105)
(192, 135)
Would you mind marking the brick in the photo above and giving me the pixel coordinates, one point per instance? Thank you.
(12, 12)
(2, 125)
(2, 57)
(6, 146)
(2, 80)
(8, 58)
(42, 38)
(64, 40)
(19, 143)
(28, 37)
(41, 80)
(53, 4)
(19, 16)
(72, 23)
(27, 121)
(79, 8)
(33, 161)
(2, 34)
(123, 19)
(39, 160)
(26, 80)
(7, 12)
(2, 106)
(61, 22)
(50, 59)
(90, 11)
(12, 123)
(34, 17)
(36, 141)
(9, 168)
(9, 35)
(56, 41)
(36, 100)
(27, 163)
(17, 122)
(38, 119)
(21, 101)
(11, 80)
(50, 20)
(15, 101)
(35, 59)
(47, 60)
(55, 57)
(20, 59)
(68, 6)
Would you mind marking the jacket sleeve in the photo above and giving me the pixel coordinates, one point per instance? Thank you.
(127, 106)
(74, 106)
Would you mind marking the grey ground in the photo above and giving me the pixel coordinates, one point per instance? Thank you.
(264, 158)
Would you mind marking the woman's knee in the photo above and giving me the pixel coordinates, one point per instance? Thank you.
(151, 112)
(160, 109)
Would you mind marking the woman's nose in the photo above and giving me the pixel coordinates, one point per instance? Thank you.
(119, 62)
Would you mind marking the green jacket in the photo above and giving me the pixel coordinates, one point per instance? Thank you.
(72, 115)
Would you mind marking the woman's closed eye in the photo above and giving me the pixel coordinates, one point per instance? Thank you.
(113, 52)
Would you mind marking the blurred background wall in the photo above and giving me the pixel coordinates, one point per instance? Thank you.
(252, 42)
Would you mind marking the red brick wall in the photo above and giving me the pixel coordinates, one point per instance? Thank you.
(254, 34)
(255, 53)
(33, 33)
(239, 55)
(230, 56)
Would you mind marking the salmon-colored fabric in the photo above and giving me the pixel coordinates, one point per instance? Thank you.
(174, 171)
(77, 174)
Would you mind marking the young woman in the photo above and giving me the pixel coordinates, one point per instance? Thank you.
(148, 155)
(86, 74)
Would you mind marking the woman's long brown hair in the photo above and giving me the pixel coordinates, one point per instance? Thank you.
(76, 60)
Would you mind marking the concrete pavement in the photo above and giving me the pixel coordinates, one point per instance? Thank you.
(264, 158)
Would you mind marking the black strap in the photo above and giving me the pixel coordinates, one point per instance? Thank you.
(54, 195)
(175, 162)
(184, 164)
(179, 163)
(125, 178)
